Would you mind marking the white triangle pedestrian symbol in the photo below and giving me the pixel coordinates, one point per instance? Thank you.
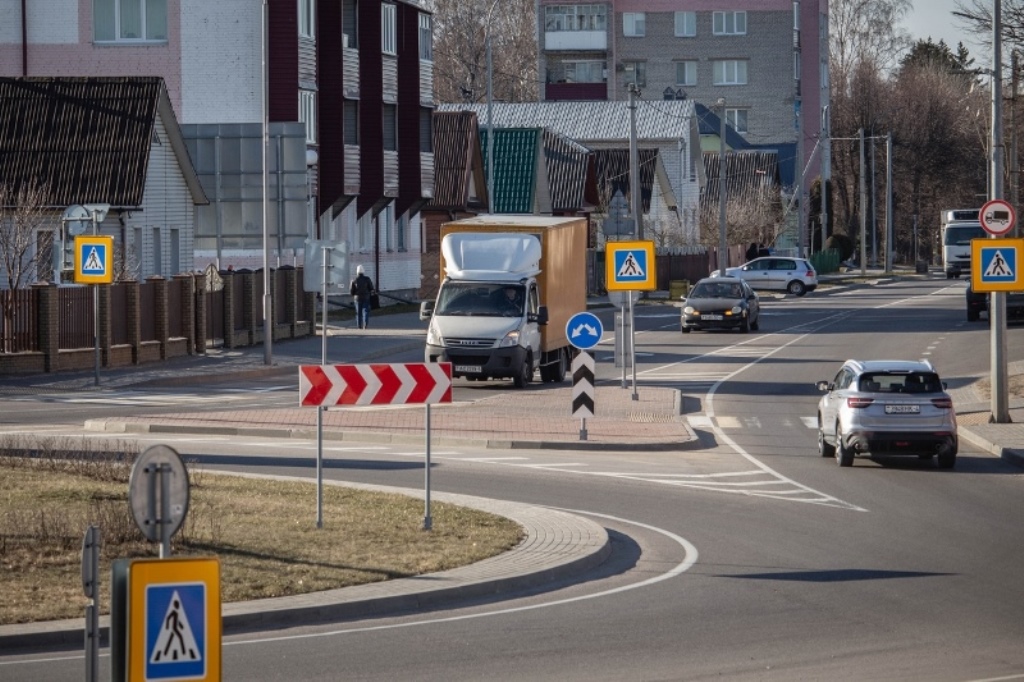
(93, 261)
(630, 267)
(998, 267)
(175, 642)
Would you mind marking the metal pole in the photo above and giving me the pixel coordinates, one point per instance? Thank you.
(164, 472)
(90, 570)
(622, 339)
(863, 208)
(874, 211)
(320, 408)
(268, 300)
(96, 314)
(888, 203)
(635, 197)
(1000, 395)
(826, 172)
(490, 120)
(1014, 161)
(632, 344)
(723, 245)
(427, 523)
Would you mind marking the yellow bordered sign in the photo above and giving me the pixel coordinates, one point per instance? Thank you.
(996, 265)
(174, 619)
(94, 260)
(629, 266)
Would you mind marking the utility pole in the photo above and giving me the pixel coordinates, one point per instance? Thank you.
(997, 299)
(826, 170)
(1014, 160)
(888, 203)
(874, 205)
(722, 190)
(863, 208)
(636, 202)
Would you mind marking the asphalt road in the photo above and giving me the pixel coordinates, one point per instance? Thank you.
(749, 559)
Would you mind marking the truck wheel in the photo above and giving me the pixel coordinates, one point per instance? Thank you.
(559, 369)
(525, 373)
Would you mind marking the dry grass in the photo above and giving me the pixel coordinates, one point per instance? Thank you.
(1014, 386)
(263, 531)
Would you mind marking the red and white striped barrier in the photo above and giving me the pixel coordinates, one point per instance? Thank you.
(414, 383)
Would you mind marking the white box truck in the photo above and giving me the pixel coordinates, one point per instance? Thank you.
(510, 285)
(959, 226)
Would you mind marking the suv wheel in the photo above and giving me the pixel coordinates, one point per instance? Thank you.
(844, 455)
(947, 457)
(824, 448)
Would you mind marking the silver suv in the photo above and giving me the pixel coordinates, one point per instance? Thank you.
(894, 407)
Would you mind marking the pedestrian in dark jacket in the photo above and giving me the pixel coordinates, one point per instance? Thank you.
(752, 251)
(362, 290)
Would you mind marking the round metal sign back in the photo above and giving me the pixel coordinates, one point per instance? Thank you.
(146, 485)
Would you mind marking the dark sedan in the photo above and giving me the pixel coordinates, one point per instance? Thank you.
(721, 303)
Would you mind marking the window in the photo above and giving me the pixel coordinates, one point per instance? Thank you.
(636, 72)
(737, 118)
(575, 18)
(426, 37)
(158, 260)
(130, 20)
(633, 24)
(307, 114)
(584, 72)
(731, 72)
(729, 23)
(349, 17)
(390, 128)
(307, 18)
(686, 73)
(401, 228)
(426, 130)
(389, 29)
(350, 116)
(686, 24)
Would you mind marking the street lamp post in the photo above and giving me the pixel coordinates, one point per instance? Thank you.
(722, 188)
(490, 113)
(268, 299)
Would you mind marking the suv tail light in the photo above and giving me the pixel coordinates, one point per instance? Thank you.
(943, 403)
(859, 402)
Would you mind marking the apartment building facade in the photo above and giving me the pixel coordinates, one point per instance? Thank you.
(764, 62)
(345, 90)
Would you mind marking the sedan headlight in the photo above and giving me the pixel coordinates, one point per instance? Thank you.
(511, 339)
(737, 310)
(690, 310)
(434, 337)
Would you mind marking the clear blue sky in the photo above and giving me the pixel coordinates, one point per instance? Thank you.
(934, 18)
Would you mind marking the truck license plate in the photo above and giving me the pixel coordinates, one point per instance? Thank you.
(469, 369)
(902, 409)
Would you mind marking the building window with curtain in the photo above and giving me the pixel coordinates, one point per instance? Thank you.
(729, 23)
(730, 72)
(307, 18)
(686, 72)
(686, 24)
(426, 38)
(349, 19)
(130, 21)
(737, 119)
(307, 114)
(634, 24)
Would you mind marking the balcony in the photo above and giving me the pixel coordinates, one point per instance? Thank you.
(576, 91)
(575, 40)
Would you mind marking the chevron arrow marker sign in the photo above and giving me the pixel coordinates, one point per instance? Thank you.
(583, 388)
(414, 383)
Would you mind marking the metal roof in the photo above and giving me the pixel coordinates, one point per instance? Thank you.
(457, 158)
(587, 121)
(515, 168)
(86, 140)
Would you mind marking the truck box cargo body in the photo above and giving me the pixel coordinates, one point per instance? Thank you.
(541, 259)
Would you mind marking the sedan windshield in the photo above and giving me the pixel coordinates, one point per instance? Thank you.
(716, 290)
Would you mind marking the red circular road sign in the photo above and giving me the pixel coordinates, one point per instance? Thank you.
(997, 217)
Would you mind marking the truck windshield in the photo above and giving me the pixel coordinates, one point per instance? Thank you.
(481, 299)
(963, 234)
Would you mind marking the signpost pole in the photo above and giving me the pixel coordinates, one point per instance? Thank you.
(622, 337)
(997, 312)
(320, 409)
(632, 343)
(427, 524)
(90, 574)
(95, 314)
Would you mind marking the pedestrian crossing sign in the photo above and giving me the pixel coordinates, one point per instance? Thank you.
(94, 260)
(629, 266)
(996, 265)
(174, 628)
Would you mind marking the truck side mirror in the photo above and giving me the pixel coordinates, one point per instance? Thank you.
(426, 310)
(541, 317)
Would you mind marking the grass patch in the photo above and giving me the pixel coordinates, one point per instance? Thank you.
(263, 531)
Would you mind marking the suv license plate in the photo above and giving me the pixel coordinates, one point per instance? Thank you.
(469, 369)
(902, 409)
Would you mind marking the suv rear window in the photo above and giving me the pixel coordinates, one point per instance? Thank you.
(912, 382)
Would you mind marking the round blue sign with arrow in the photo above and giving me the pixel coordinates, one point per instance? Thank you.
(584, 330)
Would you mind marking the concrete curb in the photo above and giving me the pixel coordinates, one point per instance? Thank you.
(558, 545)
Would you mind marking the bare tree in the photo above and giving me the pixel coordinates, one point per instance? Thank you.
(26, 244)
(461, 30)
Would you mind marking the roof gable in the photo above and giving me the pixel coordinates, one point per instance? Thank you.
(86, 140)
